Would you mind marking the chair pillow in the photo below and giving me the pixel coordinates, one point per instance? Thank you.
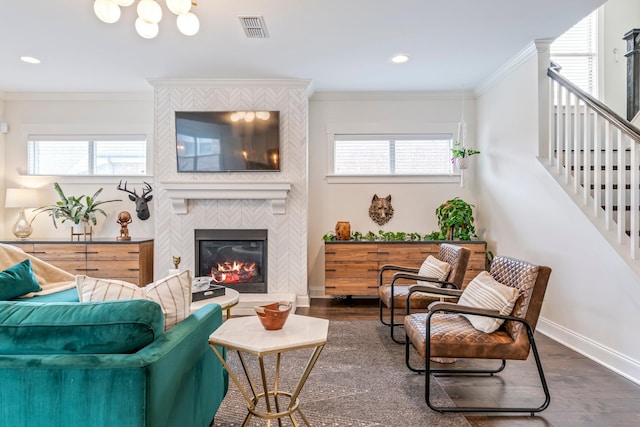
(433, 267)
(173, 293)
(485, 292)
(117, 327)
(18, 280)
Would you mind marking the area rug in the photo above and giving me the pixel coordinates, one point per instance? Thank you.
(359, 380)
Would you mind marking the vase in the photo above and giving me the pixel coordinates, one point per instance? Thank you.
(463, 162)
(81, 229)
(22, 228)
(343, 230)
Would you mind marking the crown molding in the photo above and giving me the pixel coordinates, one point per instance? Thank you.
(392, 96)
(529, 51)
(76, 96)
(222, 83)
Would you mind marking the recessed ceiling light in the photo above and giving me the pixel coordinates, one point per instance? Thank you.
(400, 58)
(30, 59)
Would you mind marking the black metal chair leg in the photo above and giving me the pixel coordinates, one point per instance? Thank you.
(429, 371)
(393, 323)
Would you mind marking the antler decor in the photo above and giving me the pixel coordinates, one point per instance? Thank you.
(142, 209)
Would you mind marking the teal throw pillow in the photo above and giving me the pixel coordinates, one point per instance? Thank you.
(18, 280)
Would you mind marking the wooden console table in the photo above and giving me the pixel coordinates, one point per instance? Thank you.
(351, 267)
(131, 261)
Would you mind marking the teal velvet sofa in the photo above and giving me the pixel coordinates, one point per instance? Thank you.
(106, 364)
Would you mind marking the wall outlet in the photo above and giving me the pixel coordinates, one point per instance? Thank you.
(4, 127)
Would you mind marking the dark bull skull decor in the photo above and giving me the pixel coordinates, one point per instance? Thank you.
(141, 201)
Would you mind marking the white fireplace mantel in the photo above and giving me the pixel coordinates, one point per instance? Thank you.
(179, 192)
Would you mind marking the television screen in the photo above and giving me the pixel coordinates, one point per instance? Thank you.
(224, 141)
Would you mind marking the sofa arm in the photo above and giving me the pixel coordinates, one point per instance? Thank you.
(184, 375)
(175, 380)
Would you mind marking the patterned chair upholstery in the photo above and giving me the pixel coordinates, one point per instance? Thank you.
(394, 295)
(453, 336)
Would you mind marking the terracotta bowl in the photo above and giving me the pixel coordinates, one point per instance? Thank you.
(273, 316)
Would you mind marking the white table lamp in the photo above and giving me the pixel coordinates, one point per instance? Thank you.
(21, 198)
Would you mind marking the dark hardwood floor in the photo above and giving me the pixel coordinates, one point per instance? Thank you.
(583, 393)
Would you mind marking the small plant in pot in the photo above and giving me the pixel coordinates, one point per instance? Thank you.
(79, 210)
(460, 155)
(455, 219)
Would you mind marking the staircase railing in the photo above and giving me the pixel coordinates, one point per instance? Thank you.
(595, 154)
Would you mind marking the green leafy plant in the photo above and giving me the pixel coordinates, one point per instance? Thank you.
(414, 237)
(370, 236)
(436, 235)
(460, 151)
(75, 209)
(455, 219)
(356, 235)
(329, 237)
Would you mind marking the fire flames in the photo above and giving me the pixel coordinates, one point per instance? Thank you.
(230, 272)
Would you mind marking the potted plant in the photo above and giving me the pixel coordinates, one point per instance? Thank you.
(79, 210)
(455, 219)
(460, 155)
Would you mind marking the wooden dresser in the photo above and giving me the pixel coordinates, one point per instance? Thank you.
(131, 261)
(351, 268)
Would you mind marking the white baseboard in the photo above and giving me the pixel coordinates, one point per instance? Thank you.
(610, 359)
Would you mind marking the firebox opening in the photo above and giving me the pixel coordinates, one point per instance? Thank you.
(233, 258)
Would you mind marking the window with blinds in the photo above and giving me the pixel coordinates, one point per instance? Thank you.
(87, 155)
(374, 155)
(576, 51)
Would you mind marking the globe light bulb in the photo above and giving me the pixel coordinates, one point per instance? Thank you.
(106, 10)
(250, 116)
(150, 11)
(147, 30)
(124, 3)
(188, 24)
(179, 7)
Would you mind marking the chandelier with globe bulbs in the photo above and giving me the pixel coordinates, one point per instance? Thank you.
(149, 14)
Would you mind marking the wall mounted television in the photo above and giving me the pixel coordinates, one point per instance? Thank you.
(227, 141)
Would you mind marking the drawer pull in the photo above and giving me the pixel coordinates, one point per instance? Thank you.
(372, 287)
(329, 252)
(37, 252)
(330, 287)
(88, 252)
(133, 269)
(134, 252)
(329, 269)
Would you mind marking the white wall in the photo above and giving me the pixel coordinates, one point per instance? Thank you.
(69, 114)
(3, 156)
(619, 17)
(414, 203)
(593, 299)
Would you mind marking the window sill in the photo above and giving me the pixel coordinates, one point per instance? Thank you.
(392, 179)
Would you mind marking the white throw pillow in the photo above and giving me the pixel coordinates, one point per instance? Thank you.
(433, 267)
(485, 292)
(173, 293)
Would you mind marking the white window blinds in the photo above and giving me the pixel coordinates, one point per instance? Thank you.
(392, 154)
(576, 51)
(87, 155)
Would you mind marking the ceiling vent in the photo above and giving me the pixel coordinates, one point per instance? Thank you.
(254, 27)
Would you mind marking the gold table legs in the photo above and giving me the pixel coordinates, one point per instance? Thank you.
(269, 395)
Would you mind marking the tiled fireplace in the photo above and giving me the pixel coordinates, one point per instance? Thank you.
(275, 202)
(233, 258)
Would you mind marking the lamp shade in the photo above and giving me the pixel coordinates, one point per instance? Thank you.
(21, 198)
